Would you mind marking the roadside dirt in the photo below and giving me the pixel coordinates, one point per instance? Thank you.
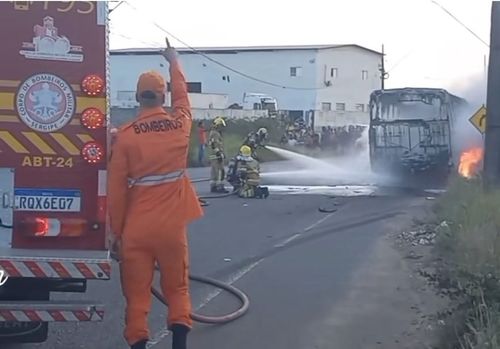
(391, 305)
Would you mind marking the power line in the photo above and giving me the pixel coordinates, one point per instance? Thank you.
(401, 60)
(150, 43)
(460, 22)
(224, 65)
(114, 8)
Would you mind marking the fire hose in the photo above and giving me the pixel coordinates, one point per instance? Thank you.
(206, 319)
(240, 295)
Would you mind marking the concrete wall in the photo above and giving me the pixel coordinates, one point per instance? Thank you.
(335, 119)
(119, 116)
(207, 100)
(198, 100)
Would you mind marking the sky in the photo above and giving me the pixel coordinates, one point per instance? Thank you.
(424, 46)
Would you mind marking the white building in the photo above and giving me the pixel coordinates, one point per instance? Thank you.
(332, 79)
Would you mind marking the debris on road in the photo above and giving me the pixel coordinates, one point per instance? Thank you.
(423, 237)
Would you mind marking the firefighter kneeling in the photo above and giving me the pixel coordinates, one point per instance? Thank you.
(244, 175)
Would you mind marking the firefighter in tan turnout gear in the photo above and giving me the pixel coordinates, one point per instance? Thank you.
(245, 175)
(216, 144)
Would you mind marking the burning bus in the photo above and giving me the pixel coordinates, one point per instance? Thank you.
(410, 131)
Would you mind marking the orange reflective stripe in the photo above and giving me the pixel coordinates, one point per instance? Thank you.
(156, 179)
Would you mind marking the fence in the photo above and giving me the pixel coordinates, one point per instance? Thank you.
(339, 119)
(119, 116)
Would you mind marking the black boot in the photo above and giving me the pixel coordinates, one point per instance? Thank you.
(139, 345)
(258, 193)
(265, 192)
(179, 338)
(222, 190)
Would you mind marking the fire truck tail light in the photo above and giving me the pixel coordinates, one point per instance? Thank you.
(93, 118)
(92, 152)
(92, 85)
(51, 227)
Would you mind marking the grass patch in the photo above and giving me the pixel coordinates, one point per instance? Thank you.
(469, 243)
(235, 133)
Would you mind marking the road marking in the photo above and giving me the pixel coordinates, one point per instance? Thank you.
(158, 337)
(287, 241)
(314, 225)
(164, 332)
(235, 277)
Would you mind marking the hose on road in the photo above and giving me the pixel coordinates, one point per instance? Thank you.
(206, 319)
(222, 319)
(240, 295)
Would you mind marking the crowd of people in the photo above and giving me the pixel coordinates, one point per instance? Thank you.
(341, 140)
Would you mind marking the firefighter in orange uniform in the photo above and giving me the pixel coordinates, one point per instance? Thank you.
(151, 202)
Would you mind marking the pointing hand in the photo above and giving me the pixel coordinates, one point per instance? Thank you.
(169, 53)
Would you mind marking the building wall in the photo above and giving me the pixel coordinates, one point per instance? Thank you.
(350, 86)
(271, 66)
(355, 76)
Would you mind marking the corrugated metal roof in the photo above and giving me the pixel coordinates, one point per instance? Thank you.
(185, 50)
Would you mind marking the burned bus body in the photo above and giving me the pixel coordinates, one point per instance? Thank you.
(410, 131)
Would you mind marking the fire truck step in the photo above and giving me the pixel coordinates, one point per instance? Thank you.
(50, 311)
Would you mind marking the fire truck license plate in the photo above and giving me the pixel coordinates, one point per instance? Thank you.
(52, 200)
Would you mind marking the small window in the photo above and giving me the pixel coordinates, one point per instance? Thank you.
(340, 106)
(364, 74)
(334, 72)
(360, 107)
(326, 106)
(126, 95)
(295, 71)
(193, 87)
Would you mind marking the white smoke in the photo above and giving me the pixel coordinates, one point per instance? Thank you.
(464, 135)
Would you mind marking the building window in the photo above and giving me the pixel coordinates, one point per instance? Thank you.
(326, 106)
(126, 95)
(364, 74)
(360, 107)
(334, 72)
(340, 106)
(193, 87)
(295, 71)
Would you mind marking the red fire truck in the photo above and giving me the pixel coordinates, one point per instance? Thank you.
(53, 146)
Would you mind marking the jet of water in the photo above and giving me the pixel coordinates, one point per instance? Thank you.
(311, 171)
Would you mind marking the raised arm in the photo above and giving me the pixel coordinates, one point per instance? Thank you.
(180, 99)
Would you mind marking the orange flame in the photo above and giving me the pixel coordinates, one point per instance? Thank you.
(470, 161)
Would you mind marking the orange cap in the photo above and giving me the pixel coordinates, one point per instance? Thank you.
(151, 81)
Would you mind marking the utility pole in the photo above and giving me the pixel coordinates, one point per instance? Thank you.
(492, 139)
(383, 74)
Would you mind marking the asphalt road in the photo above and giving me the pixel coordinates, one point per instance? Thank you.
(294, 262)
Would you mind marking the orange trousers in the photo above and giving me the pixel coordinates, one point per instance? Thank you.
(139, 254)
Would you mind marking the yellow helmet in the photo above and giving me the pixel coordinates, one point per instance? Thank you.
(246, 150)
(219, 121)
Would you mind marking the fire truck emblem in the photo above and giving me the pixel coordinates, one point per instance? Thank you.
(45, 102)
(49, 45)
